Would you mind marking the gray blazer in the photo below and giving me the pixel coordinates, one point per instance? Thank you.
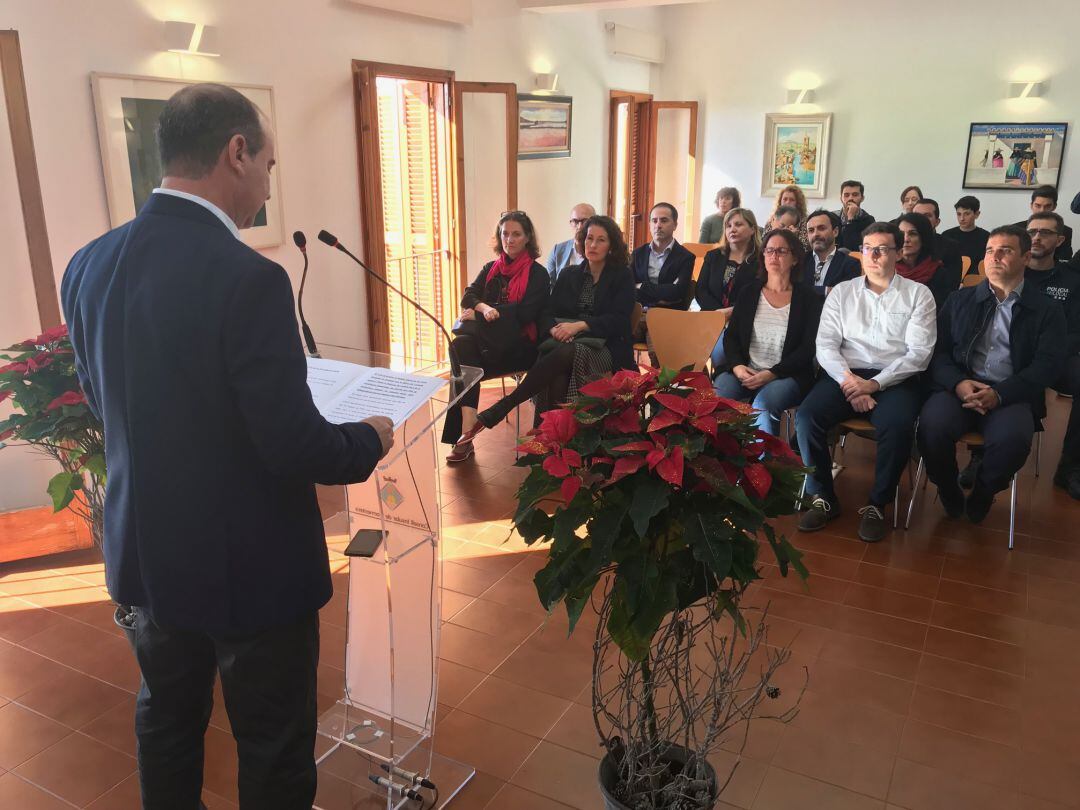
(562, 255)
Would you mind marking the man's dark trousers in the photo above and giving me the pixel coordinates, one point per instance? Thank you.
(893, 419)
(269, 685)
(1007, 432)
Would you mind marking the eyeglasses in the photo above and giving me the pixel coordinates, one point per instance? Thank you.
(575, 222)
(1044, 232)
(777, 251)
(1000, 251)
(513, 213)
(875, 252)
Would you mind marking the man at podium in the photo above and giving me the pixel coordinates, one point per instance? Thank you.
(187, 347)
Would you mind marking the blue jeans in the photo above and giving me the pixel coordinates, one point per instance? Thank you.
(772, 399)
(717, 355)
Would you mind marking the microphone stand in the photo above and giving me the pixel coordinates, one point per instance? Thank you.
(313, 350)
(455, 367)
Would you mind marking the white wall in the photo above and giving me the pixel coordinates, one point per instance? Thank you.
(903, 80)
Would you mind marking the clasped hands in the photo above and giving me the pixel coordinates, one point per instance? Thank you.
(752, 379)
(859, 392)
(482, 310)
(565, 332)
(977, 396)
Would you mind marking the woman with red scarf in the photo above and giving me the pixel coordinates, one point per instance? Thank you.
(918, 257)
(496, 330)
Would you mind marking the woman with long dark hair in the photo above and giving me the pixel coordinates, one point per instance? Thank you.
(584, 330)
(919, 260)
(496, 330)
(769, 341)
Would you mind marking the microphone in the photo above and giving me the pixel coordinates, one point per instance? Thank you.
(301, 242)
(395, 788)
(455, 368)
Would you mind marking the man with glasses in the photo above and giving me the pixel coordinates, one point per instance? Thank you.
(1061, 283)
(565, 253)
(876, 336)
(824, 266)
(1000, 344)
(1044, 200)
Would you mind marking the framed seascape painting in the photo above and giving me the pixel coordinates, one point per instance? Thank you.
(543, 126)
(796, 153)
(1014, 155)
(127, 110)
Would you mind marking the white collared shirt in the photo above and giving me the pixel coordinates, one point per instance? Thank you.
(821, 267)
(893, 332)
(656, 260)
(209, 206)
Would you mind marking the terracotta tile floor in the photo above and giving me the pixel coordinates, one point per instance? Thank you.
(944, 671)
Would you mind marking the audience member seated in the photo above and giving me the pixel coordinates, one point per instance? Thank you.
(908, 197)
(662, 268)
(793, 198)
(876, 336)
(952, 257)
(769, 342)
(918, 260)
(999, 345)
(496, 329)
(1061, 283)
(1044, 200)
(853, 220)
(786, 217)
(731, 264)
(565, 253)
(825, 266)
(712, 227)
(970, 237)
(585, 328)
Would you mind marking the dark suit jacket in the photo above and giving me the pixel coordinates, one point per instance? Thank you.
(613, 306)
(952, 261)
(711, 291)
(851, 232)
(525, 311)
(186, 345)
(1036, 343)
(797, 357)
(841, 268)
(673, 287)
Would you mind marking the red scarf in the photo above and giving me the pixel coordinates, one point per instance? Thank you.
(517, 273)
(923, 272)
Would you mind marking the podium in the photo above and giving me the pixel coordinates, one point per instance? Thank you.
(385, 718)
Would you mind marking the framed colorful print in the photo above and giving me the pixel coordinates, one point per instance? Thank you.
(1014, 155)
(796, 153)
(543, 126)
(127, 110)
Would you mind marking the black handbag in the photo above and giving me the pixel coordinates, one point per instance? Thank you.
(493, 338)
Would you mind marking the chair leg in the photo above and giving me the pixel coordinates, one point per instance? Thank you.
(914, 492)
(1012, 513)
(802, 492)
(896, 508)
(1038, 452)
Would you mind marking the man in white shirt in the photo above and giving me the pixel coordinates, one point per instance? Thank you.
(877, 334)
(565, 253)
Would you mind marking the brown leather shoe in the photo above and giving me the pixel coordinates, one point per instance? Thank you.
(461, 451)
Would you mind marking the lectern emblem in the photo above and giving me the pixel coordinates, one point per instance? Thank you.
(391, 496)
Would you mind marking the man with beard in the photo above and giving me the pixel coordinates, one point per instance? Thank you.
(825, 266)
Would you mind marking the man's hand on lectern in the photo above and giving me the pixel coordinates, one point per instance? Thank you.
(384, 426)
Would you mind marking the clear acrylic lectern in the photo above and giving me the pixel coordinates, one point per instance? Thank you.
(386, 717)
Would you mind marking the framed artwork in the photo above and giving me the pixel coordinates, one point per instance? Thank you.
(127, 110)
(796, 153)
(1014, 155)
(543, 126)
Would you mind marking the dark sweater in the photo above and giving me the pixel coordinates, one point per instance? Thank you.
(1061, 283)
(851, 232)
(613, 306)
(718, 286)
(493, 293)
(972, 244)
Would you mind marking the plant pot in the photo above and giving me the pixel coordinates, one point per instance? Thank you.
(124, 618)
(608, 775)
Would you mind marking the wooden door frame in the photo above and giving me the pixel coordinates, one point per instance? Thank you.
(28, 180)
(509, 89)
(372, 225)
(654, 108)
(635, 189)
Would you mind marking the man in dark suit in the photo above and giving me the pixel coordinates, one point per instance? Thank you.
(663, 268)
(825, 265)
(187, 347)
(947, 250)
(1044, 200)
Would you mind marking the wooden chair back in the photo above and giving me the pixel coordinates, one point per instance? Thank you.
(682, 338)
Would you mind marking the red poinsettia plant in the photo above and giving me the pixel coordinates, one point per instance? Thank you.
(667, 488)
(50, 413)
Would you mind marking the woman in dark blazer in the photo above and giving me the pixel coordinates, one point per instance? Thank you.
(769, 342)
(497, 330)
(585, 328)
